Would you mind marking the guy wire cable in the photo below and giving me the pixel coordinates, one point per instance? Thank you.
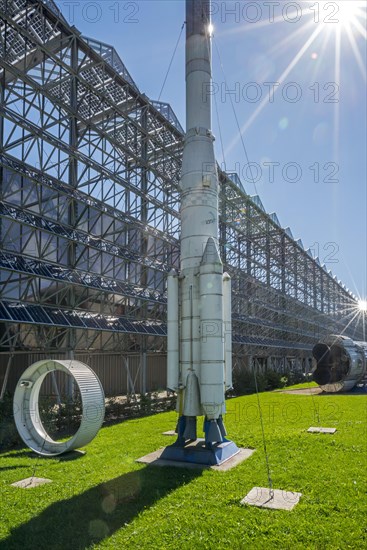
(263, 436)
(172, 58)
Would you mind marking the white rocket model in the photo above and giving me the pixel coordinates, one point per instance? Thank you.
(199, 296)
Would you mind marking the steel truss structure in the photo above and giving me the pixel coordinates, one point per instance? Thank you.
(89, 175)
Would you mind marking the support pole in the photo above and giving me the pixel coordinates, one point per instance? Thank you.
(143, 363)
(130, 381)
(6, 377)
(56, 388)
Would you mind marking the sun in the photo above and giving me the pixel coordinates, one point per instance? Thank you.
(362, 305)
(351, 10)
(346, 11)
(341, 15)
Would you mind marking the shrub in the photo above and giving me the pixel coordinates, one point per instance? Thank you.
(273, 379)
(295, 377)
(60, 420)
(144, 405)
(244, 381)
(9, 436)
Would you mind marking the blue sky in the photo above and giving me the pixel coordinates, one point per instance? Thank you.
(310, 135)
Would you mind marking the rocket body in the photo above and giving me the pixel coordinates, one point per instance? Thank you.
(196, 341)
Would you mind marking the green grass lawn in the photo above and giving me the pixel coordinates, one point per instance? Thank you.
(104, 499)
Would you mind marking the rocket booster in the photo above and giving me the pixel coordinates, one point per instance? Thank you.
(199, 319)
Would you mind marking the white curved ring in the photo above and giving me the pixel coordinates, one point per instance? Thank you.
(26, 412)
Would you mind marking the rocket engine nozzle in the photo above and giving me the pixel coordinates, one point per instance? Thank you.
(332, 364)
(340, 363)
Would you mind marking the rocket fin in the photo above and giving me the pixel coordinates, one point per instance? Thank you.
(190, 429)
(222, 427)
(213, 433)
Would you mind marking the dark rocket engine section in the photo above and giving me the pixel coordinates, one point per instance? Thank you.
(340, 363)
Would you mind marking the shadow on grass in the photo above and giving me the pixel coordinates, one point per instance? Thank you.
(3, 468)
(85, 519)
(67, 457)
(9, 453)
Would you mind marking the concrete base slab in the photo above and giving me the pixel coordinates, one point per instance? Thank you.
(321, 430)
(170, 432)
(275, 499)
(153, 459)
(31, 482)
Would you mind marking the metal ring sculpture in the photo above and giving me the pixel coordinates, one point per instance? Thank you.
(26, 411)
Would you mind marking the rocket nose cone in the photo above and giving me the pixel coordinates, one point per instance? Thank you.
(192, 396)
(211, 253)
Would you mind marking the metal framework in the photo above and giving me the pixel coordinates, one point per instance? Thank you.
(89, 213)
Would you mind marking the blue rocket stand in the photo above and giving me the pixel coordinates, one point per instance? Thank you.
(198, 451)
